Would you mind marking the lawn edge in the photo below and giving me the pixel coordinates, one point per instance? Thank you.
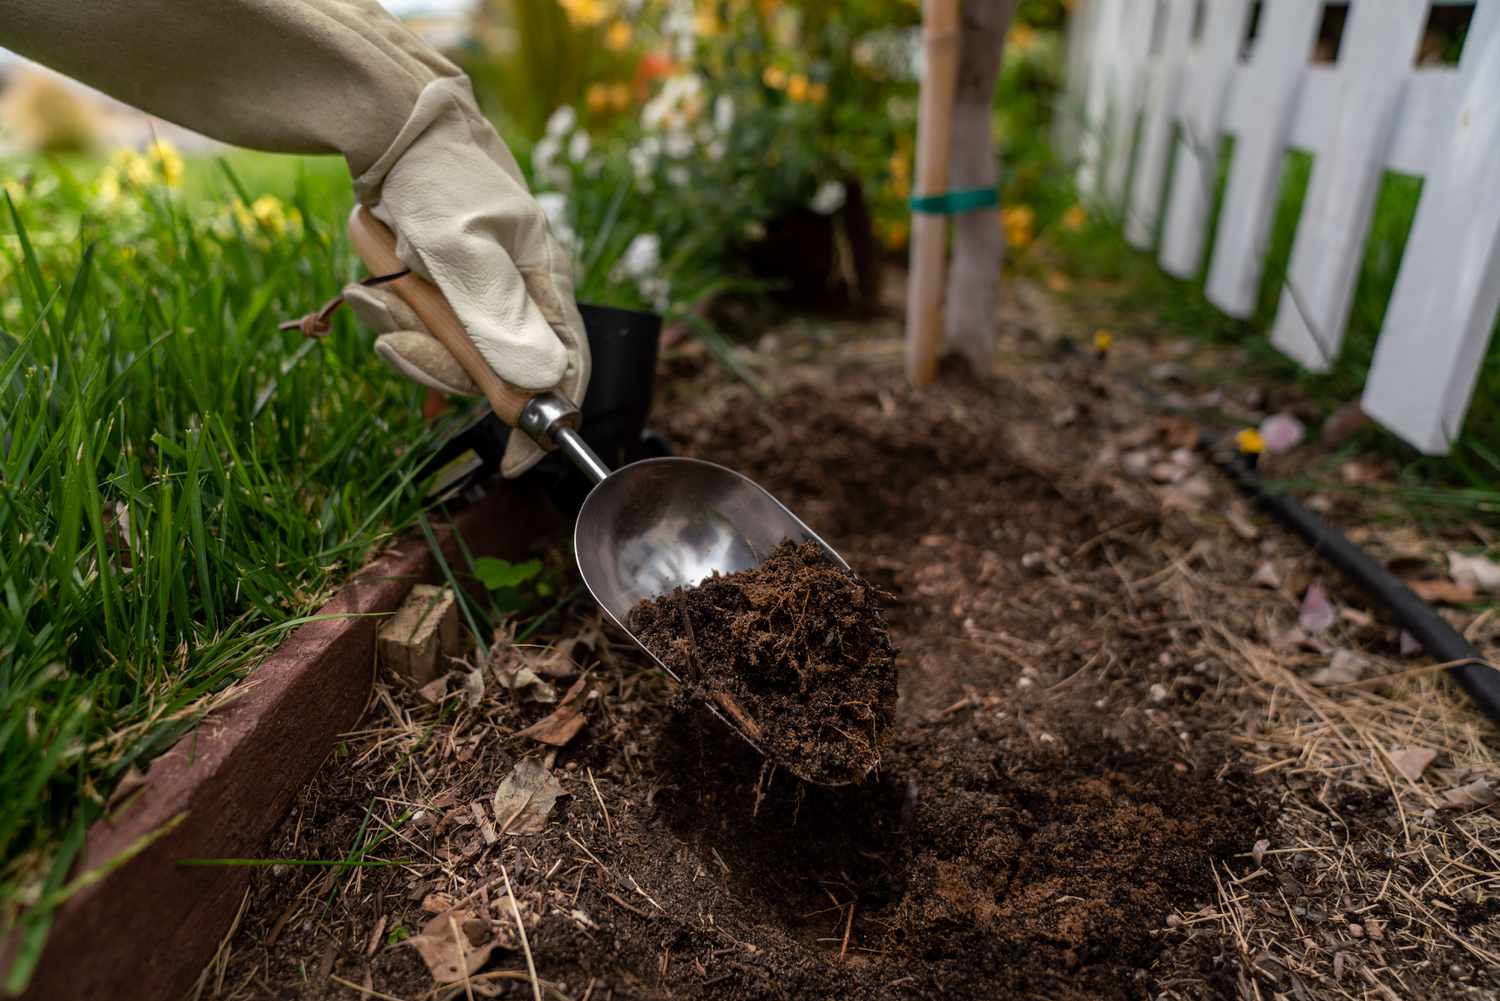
(147, 928)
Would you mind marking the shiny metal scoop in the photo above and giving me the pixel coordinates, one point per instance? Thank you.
(645, 529)
(660, 524)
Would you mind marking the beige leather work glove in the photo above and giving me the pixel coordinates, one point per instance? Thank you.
(463, 219)
(343, 76)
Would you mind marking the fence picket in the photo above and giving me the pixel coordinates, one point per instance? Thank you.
(1205, 87)
(1442, 311)
(1340, 200)
(1261, 117)
(1160, 102)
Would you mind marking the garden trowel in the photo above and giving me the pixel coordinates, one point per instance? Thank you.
(643, 529)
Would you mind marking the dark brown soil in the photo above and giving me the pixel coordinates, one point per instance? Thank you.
(1040, 819)
(795, 652)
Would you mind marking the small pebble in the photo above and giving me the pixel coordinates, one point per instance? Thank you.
(1357, 930)
(1159, 693)
(1173, 921)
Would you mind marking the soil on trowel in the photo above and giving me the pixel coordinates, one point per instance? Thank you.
(795, 652)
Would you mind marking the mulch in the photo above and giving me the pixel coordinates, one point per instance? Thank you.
(1108, 774)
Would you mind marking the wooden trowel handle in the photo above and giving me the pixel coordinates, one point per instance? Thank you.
(376, 246)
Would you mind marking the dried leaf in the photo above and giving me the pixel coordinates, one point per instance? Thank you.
(1441, 592)
(1266, 575)
(562, 724)
(473, 687)
(1345, 667)
(434, 691)
(1282, 433)
(447, 944)
(526, 798)
(1412, 761)
(1317, 612)
(1477, 572)
(1409, 644)
(1474, 794)
(1240, 521)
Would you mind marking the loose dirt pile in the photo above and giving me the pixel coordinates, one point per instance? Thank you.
(796, 654)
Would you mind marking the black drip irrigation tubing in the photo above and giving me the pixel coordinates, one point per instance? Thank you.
(1444, 643)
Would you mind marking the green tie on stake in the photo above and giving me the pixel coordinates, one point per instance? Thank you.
(929, 230)
(956, 202)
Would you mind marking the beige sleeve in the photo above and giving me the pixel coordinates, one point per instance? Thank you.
(291, 76)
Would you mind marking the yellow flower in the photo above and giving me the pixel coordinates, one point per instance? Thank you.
(706, 23)
(618, 35)
(107, 188)
(597, 98)
(1103, 340)
(1018, 221)
(133, 167)
(1074, 218)
(797, 87)
(817, 93)
(894, 235)
(1249, 441)
(1058, 282)
(619, 96)
(168, 162)
(774, 77)
(265, 213)
(584, 13)
(1021, 38)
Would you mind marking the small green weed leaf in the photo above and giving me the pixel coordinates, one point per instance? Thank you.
(496, 574)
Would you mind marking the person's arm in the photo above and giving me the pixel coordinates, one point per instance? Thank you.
(291, 76)
(344, 76)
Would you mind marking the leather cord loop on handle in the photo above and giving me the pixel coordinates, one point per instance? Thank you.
(319, 322)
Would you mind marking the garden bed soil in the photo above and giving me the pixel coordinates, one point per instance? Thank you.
(1102, 780)
(794, 651)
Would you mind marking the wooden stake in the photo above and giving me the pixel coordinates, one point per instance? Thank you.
(924, 307)
(978, 242)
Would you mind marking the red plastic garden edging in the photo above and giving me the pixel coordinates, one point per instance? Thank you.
(147, 928)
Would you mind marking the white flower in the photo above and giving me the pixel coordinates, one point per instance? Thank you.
(544, 162)
(562, 122)
(716, 149)
(723, 112)
(678, 176)
(679, 145)
(657, 292)
(642, 162)
(555, 206)
(578, 147)
(828, 199)
(642, 257)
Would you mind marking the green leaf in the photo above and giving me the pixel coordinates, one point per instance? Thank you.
(496, 574)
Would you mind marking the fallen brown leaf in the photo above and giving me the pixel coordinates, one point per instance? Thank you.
(1473, 794)
(1475, 572)
(562, 724)
(453, 945)
(1412, 761)
(1344, 667)
(1442, 592)
(526, 798)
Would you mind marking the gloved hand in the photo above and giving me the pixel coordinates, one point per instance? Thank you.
(343, 76)
(463, 218)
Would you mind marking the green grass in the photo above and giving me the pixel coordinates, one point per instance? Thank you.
(180, 483)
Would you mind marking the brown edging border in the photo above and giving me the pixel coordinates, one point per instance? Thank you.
(147, 929)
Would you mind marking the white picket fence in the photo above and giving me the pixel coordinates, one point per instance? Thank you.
(1137, 68)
